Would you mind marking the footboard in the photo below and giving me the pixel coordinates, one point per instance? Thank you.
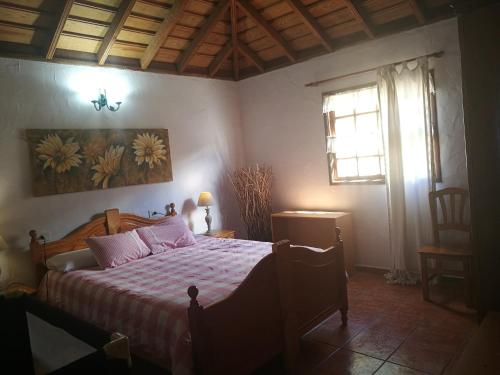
(241, 332)
(312, 286)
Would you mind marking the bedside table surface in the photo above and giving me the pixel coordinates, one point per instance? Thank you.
(220, 233)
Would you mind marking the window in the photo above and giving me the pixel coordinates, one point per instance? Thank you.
(353, 136)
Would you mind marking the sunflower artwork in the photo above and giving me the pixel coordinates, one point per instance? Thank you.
(71, 160)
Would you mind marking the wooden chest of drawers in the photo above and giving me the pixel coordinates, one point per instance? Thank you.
(315, 228)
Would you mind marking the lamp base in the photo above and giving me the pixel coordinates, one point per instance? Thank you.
(208, 219)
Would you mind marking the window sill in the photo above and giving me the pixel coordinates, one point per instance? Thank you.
(359, 182)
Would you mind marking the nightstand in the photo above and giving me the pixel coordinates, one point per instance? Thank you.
(221, 233)
(17, 289)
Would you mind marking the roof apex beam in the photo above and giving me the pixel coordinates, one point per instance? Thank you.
(163, 32)
(361, 17)
(114, 29)
(212, 20)
(311, 22)
(250, 11)
(234, 39)
(63, 16)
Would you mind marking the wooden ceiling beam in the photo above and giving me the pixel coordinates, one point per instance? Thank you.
(252, 56)
(222, 56)
(63, 16)
(361, 17)
(116, 25)
(234, 39)
(253, 13)
(418, 11)
(163, 32)
(311, 22)
(215, 16)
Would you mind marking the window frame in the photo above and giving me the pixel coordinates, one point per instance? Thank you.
(331, 160)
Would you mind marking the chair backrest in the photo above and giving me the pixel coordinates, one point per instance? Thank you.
(452, 203)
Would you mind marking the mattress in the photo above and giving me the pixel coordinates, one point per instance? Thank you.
(147, 299)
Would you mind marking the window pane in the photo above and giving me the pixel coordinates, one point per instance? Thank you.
(345, 147)
(368, 134)
(356, 150)
(366, 145)
(347, 168)
(369, 166)
(367, 100)
(342, 104)
(344, 127)
(367, 123)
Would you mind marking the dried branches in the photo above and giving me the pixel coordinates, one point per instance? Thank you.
(253, 192)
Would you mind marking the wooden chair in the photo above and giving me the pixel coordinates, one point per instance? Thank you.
(452, 203)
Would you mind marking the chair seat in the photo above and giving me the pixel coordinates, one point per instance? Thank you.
(445, 251)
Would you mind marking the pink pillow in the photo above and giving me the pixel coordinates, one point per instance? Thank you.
(168, 235)
(111, 251)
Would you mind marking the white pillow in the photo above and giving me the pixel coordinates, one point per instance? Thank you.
(73, 260)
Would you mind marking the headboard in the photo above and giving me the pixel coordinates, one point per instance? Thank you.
(111, 222)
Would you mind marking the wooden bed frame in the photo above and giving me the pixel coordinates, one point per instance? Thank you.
(287, 293)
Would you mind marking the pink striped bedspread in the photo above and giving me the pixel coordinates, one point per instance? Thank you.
(147, 299)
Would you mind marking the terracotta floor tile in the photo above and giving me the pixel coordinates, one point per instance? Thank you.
(394, 369)
(345, 362)
(312, 353)
(421, 358)
(332, 332)
(384, 318)
(378, 343)
(437, 338)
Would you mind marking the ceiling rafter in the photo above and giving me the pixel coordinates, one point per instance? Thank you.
(311, 22)
(250, 11)
(63, 16)
(163, 32)
(234, 39)
(361, 17)
(252, 56)
(418, 11)
(212, 20)
(114, 29)
(222, 56)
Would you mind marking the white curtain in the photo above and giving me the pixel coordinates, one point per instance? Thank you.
(404, 111)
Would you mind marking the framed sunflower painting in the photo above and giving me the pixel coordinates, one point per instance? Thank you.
(71, 160)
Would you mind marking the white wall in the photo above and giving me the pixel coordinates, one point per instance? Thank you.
(283, 127)
(202, 116)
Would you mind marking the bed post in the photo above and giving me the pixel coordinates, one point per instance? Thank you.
(343, 279)
(112, 220)
(289, 315)
(201, 354)
(171, 210)
(37, 256)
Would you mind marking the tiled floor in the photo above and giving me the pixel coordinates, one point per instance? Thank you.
(391, 330)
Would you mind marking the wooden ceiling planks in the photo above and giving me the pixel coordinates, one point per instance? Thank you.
(214, 38)
(268, 29)
(361, 17)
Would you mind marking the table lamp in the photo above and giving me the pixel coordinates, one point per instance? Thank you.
(205, 200)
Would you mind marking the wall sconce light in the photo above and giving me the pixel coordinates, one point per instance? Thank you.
(102, 102)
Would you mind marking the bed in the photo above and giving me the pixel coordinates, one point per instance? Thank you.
(220, 306)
